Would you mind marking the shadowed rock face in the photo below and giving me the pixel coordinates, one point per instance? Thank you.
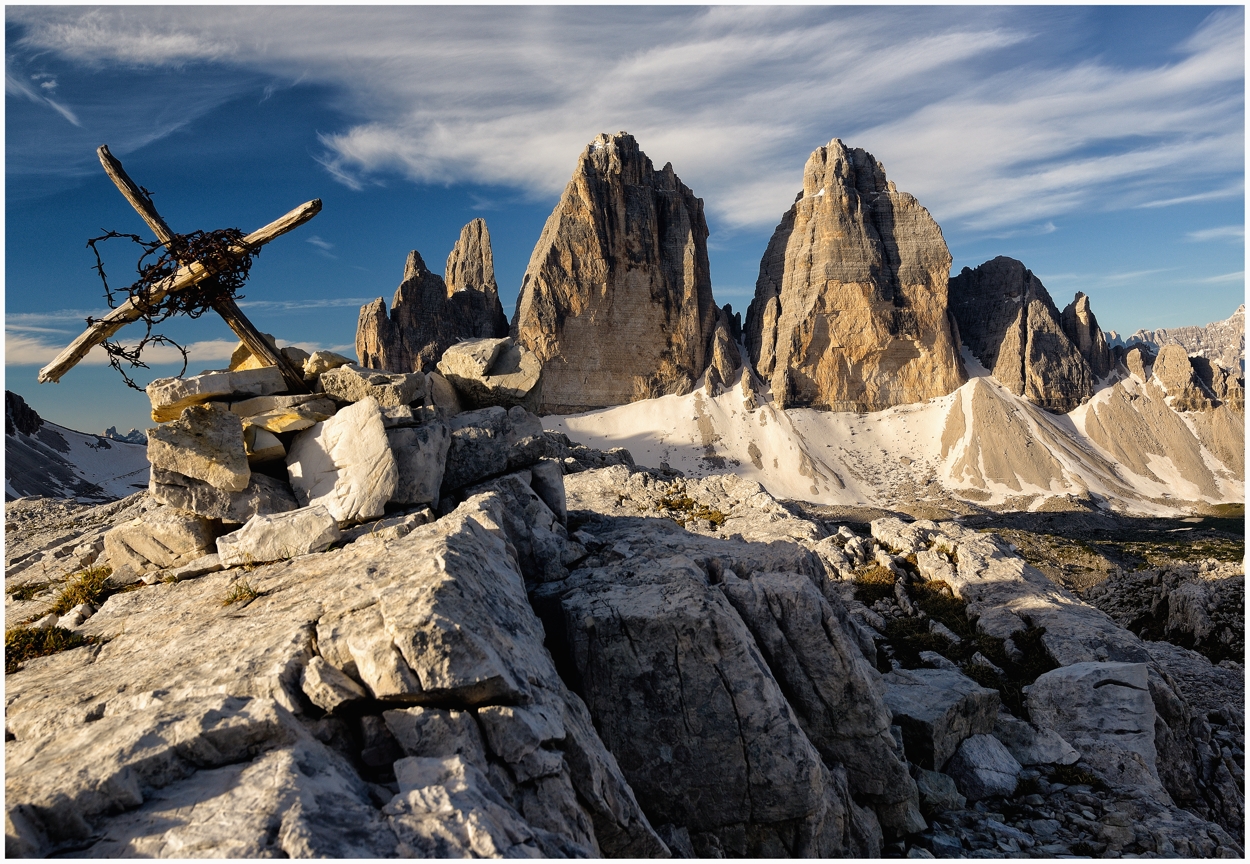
(617, 300)
(428, 314)
(850, 308)
(1011, 325)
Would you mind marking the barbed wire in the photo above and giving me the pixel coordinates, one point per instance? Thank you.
(160, 261)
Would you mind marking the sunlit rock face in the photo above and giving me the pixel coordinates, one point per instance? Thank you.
(617, 300)
(850, 310)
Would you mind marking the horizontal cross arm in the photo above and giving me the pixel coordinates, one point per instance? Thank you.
(184, 278)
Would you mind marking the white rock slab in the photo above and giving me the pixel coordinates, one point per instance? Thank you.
(354, 383)
(165, 537)
(206, 443)
(280, 536)
(345, 464)
(170, 395)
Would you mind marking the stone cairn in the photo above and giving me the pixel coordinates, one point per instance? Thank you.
(249, 473)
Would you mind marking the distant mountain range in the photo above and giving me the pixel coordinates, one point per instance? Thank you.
(42, 458)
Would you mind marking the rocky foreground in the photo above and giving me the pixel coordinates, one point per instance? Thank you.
(660, 667)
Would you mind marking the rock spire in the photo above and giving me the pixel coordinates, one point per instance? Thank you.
(1082, 328)
(1008, 321)
(850, 308)
(617, 299)
(430, 314)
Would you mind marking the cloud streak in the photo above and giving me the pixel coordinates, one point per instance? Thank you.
(969, 109)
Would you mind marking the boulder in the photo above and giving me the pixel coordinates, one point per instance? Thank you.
(279, 537)
(261, 445)
(323, 361)
(447, 808)
(850, 310)
(510, 375)
(242, 359)
(937, 709)
(1080, 325)
(983, 768)
(164, 537)
(345, 464)
(352, 383)
(170, 395)
(280, 414)
(666, 652)
(420, 454)
(441, 395)
(938, 791)
(830, 687)
(526, 738)
(429, 315)
(205, 442)
(328, 688)
(547, 481)
(616, 303)
(263, 496)
(1031, 745)
(1105, 710)
(491, 441)
(903, 538)
(437, 732)
(1009, 323)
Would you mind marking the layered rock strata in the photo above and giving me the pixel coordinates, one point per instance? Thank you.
(429, 314)
(1008, 321)
(616, 302)
(1221, 341)
(850, 308)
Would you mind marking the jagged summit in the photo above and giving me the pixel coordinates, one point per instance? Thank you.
(850, 308)
(617, 299)
(430, 313)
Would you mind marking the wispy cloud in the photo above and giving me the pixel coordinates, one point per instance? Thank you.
(968, 108)
(14, 86)
(1239, 276)
(293, 305)
(1232, 233)
(323, 246)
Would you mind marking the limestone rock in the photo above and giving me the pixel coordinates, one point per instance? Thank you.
(830, 686)
(487, 372)
(547, 481)
(345, 464)
(429, 315)
(1030, 745)
(420, 455)
(323, 361)
(170, 395)
(437, 732)
(938, 709)
(1079, 323)
(263, 496)
(491, 441)
(666, 652)
(938, 791)
(1009, 322)
(280, 414)
(1221, 341)
(850, 310)
(1105, 710)
(616, 303)
(724, 359)
(328, 688)
(279, 537)
(982, 767)
(441, 395)
(164, 537)
(242, 359)
(261, 445)
(1176, 375)
(353, 383)
(205, 442)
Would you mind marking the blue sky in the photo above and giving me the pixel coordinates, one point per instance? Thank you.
(1104, 147)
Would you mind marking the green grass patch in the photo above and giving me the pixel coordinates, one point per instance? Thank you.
(23, 643)
(27, 591)
(240, 592)
(686, 508)
(873, 585)
(89, 586)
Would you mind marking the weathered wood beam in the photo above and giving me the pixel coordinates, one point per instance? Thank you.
(185, 277)
(227, 308)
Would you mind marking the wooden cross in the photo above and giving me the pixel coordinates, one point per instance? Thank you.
(191, 273)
